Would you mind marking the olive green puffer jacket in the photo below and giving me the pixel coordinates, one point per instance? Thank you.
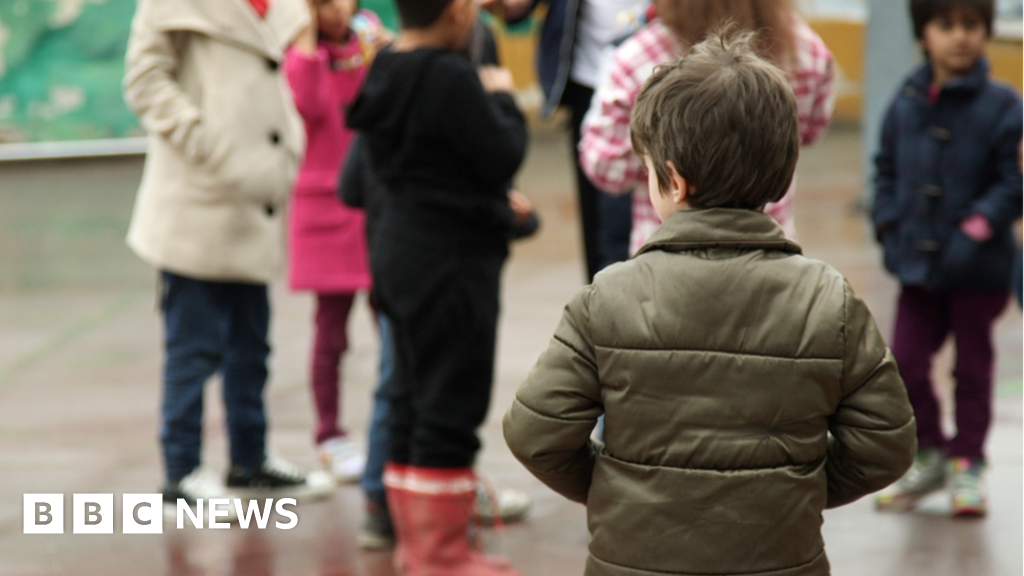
(723, 360)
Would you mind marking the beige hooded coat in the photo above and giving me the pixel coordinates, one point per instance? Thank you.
(723, 360)
(225, 139)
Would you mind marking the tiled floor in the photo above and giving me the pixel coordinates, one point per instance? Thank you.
(80, 359)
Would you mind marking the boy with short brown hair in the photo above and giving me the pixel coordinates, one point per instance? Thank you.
(721, 358)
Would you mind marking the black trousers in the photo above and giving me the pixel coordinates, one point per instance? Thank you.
(444, 311)
(606, 220)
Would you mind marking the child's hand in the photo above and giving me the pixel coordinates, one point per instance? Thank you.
(521, 205)
(496, 79)
(383, 39)
(977, 228)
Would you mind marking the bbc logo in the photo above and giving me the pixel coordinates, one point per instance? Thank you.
(144, 513)
(93, 514)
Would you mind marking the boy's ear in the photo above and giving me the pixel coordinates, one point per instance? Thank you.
(680, 187)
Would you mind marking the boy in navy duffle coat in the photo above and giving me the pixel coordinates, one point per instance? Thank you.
(947, 191)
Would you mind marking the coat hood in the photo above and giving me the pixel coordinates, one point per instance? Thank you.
(232, 21)
(388, 93)
(387, 105)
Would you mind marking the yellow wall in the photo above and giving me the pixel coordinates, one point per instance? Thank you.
(844, 37)
(518, 54)
(1007, 62)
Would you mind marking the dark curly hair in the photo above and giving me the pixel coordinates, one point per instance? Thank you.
(923, 11)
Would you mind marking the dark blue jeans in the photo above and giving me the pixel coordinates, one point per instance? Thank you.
(211, 327)
(377, 452)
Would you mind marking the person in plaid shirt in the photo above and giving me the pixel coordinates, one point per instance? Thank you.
(606, 154)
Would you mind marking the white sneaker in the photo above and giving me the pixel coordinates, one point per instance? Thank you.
(342, 458)
(967, 477)
(198, 485)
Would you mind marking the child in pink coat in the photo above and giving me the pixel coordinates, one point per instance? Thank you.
(326, 239)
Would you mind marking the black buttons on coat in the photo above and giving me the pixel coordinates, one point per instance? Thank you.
(270, 209)
(272, 65)
(275, 137)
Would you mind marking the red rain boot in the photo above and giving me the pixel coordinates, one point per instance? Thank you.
(394, 484)
(435, 506)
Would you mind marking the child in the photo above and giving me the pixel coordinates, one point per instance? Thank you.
(327, 243)
(358, 188)
(605, 152)
(947, 191)
(444, 140)
(721, 358)
(222, 158)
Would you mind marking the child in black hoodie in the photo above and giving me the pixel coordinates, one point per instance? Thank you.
(444, 139)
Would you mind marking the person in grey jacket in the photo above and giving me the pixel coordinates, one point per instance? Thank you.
(745, 387)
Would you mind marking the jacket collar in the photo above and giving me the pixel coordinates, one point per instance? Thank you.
(719, 228)
(232, 21)
(974, 80)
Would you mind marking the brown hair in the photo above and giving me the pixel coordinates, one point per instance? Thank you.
(692, 20)
(726, 119)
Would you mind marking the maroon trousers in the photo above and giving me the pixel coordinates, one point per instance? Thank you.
(330, 342)
(923, 320)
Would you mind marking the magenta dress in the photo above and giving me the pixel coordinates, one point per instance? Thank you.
(327, 251)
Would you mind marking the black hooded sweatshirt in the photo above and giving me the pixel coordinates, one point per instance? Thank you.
(444, 149)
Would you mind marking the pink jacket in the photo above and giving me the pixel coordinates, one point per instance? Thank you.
(326, 239)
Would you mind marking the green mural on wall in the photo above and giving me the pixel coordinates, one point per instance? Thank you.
(385, 9)
(61, 63)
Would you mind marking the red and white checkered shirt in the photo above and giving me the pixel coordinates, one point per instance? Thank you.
(606, 153)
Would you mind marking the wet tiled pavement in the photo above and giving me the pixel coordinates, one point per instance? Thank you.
(79, 380)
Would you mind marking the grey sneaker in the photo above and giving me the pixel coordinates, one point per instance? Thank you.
(926, 475)
(968, 482)
(377, 531)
